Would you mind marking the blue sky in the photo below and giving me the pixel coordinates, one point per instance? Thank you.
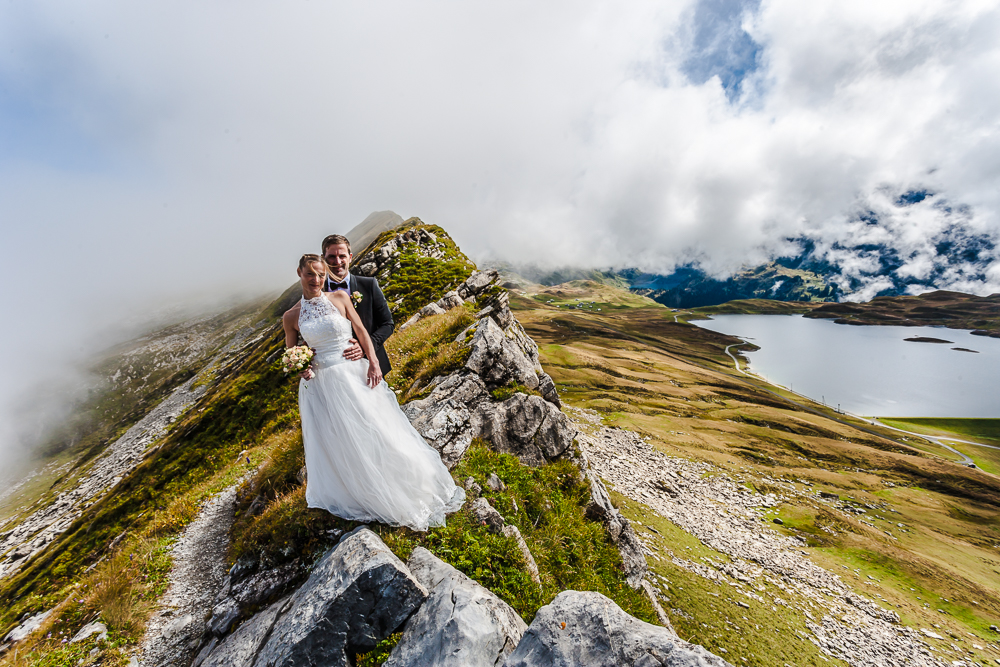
(720, 46)
(177, 153)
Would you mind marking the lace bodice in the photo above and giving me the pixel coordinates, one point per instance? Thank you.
(325, 330)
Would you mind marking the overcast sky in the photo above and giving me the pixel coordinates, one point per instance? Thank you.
(152, 153)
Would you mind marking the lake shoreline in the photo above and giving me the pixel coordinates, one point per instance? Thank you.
(868, 370)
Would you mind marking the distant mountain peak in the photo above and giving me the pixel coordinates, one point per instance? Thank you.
(368, 229)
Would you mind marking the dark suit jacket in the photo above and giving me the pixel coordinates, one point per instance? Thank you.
(375, 316)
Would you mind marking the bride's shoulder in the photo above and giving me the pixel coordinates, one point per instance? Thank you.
(292, 312)
(338, 296)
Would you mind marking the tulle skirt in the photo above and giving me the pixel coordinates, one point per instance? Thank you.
(364, 460)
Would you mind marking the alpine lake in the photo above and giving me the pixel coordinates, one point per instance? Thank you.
(873, 370)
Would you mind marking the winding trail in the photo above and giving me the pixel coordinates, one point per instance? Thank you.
(175, 630)
(938, 439)
(735, 360)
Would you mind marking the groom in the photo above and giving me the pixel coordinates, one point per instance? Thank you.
(372, 308)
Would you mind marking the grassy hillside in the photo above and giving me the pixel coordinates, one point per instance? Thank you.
(671, 382)
(756, 307)
(948, 309)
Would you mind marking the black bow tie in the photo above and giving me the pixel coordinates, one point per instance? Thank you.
(336, 286)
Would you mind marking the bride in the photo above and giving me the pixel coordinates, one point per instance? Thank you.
(364, 460)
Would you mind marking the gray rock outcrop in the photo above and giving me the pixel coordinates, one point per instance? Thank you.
(587, 628)
(240, 649)
(461, 624)
(357, 594)
(619, 530)
(461, 408)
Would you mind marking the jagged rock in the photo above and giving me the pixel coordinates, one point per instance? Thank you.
(243, 568)
(497, 360)
(495, 483)
(547, 388)
(27, 627)
(526, 426)
(461, 624)
(485, 514)
(302, 475)
(587, 628)
(224, 614)
(431, 309)
(619, 530)
(89, 630)
(445, 425)
(470, 485)
(357, 595)
(459, 409)
(261, 587)
(444, 418)
(240, 649)
(478, 282)
(205, 651)
(450, 300)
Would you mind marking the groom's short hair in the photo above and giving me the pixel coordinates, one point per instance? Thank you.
(336, 239)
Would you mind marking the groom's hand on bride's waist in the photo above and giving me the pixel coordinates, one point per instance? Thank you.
(353, 350)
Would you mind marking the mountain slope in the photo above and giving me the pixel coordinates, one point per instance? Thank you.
(704, 458)
(368, 229)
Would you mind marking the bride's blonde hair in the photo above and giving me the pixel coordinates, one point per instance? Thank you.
(310, 258)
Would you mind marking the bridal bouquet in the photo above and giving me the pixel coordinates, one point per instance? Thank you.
(297, 359)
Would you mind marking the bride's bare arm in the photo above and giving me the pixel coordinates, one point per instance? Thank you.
(290, 321)
(343, 304)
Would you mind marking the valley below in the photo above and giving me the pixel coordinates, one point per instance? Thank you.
(890, 516)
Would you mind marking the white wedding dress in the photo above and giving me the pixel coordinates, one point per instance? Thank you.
(364, 460)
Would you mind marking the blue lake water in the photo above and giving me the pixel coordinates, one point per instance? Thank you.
(872, 370)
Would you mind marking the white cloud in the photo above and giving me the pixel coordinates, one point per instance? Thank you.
(149, 152)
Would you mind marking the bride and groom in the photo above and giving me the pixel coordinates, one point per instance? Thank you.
(365, 461)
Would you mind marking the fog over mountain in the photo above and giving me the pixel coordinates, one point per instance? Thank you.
(158, 155)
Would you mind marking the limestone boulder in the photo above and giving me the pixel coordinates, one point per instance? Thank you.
(485, 514)
(547, 388)
(587, 628)
(431, 309)
(477, 283)
(528, 427)
(450, 300)
(241, 648)
(619, 530)
(444, 418)
(357, 595)
(462, 624)
(257, 589)
(497, 360)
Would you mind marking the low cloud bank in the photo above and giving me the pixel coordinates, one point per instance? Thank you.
(158, 151)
